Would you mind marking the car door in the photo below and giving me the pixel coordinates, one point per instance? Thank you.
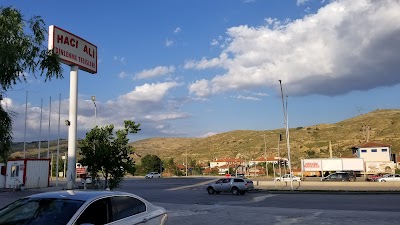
(98, 212)
(218, 185)
(332, 177)
(129, 210)
(226, 184)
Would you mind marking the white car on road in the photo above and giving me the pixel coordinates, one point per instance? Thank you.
(389, 177)
(153, 175)
(286, 177)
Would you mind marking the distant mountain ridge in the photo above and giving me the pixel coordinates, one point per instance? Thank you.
(305, 142)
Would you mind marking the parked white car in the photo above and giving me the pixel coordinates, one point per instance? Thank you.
(83, 207)
(286, 177)
(389, 177)
(153, 175)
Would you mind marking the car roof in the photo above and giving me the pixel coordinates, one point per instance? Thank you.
(80, 195)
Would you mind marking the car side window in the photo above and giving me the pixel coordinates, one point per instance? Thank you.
(126, 206)
(219, 181)
(238, 180)
(226, 180)
(98, 212)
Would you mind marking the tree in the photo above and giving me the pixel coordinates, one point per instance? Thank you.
(20, 54)
(151, 163)
(109, 154)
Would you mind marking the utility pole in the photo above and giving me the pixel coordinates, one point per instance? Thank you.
(265, 155)
(286, 122)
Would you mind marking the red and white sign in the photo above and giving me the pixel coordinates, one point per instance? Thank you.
(73, 50)
(81, 170)
(311, 165)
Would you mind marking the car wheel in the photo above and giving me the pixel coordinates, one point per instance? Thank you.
(242, 192)
(383, 180)
(218, 192)
(278, 180)
(210, 190)
(235, 191)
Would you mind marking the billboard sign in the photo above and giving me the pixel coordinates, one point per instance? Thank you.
(312, 165)
(73, 50)
(380, 167)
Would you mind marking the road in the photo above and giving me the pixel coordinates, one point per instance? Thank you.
(187, 202)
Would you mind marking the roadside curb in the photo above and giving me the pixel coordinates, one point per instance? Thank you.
(338, 192)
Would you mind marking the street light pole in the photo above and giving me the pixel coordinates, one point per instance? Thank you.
(186, 163)
(287, 134)
(95, 110)
(265, 155)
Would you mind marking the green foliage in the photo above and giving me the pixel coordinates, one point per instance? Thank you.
(21, 53)
(5, 134)
(103, 152)
(150, 163)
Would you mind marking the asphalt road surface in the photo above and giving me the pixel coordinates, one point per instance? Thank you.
(187, 202)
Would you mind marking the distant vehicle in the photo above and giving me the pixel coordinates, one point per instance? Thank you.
(375, 177)
(87, 179)
(340, 176)
(153, 175)
(82, 207)
(241, 175)
(234, 185)
(250, 184)
(389, 177)
(286, 177)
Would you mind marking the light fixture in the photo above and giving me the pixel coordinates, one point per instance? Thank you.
(67, 122)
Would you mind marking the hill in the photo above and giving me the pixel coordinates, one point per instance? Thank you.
(305, 142)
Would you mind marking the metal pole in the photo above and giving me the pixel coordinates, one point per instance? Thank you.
(265, 155)
(48, 139)
(40, 126)
(279, 157)
(51, 166)
(58, 140)
(287, 132)
(65, 158)
(95, 110)
(186, 163)
(73, 106)
(26, 114)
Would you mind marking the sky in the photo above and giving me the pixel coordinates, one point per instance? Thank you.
(197, 68)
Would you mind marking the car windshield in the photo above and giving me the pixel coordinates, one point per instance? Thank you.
(29, 211)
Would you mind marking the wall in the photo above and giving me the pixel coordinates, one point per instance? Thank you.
(379, 155)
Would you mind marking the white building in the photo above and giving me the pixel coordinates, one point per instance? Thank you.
(373, 152)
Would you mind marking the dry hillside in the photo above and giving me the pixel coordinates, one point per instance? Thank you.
(305, 142)
(384, 124)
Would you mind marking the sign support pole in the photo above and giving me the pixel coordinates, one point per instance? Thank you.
(73, 106)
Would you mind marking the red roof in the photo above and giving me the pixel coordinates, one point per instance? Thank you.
(371, 145)
(229, 160)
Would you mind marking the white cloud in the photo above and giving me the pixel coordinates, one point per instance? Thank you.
(155, 72)
(123, 74)
(205, 64)
(214, 42)
(249, 1)
(120, 59)
(301, 2)
(168, 43)
(169, 116)
(347, 45)
(177, 30)
(209, 134)
(148, 93)
(241, 97)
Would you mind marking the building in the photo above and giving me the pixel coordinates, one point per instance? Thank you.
(227, 161)
(372, 152)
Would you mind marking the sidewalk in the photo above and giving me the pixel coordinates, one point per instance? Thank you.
(328, 186)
